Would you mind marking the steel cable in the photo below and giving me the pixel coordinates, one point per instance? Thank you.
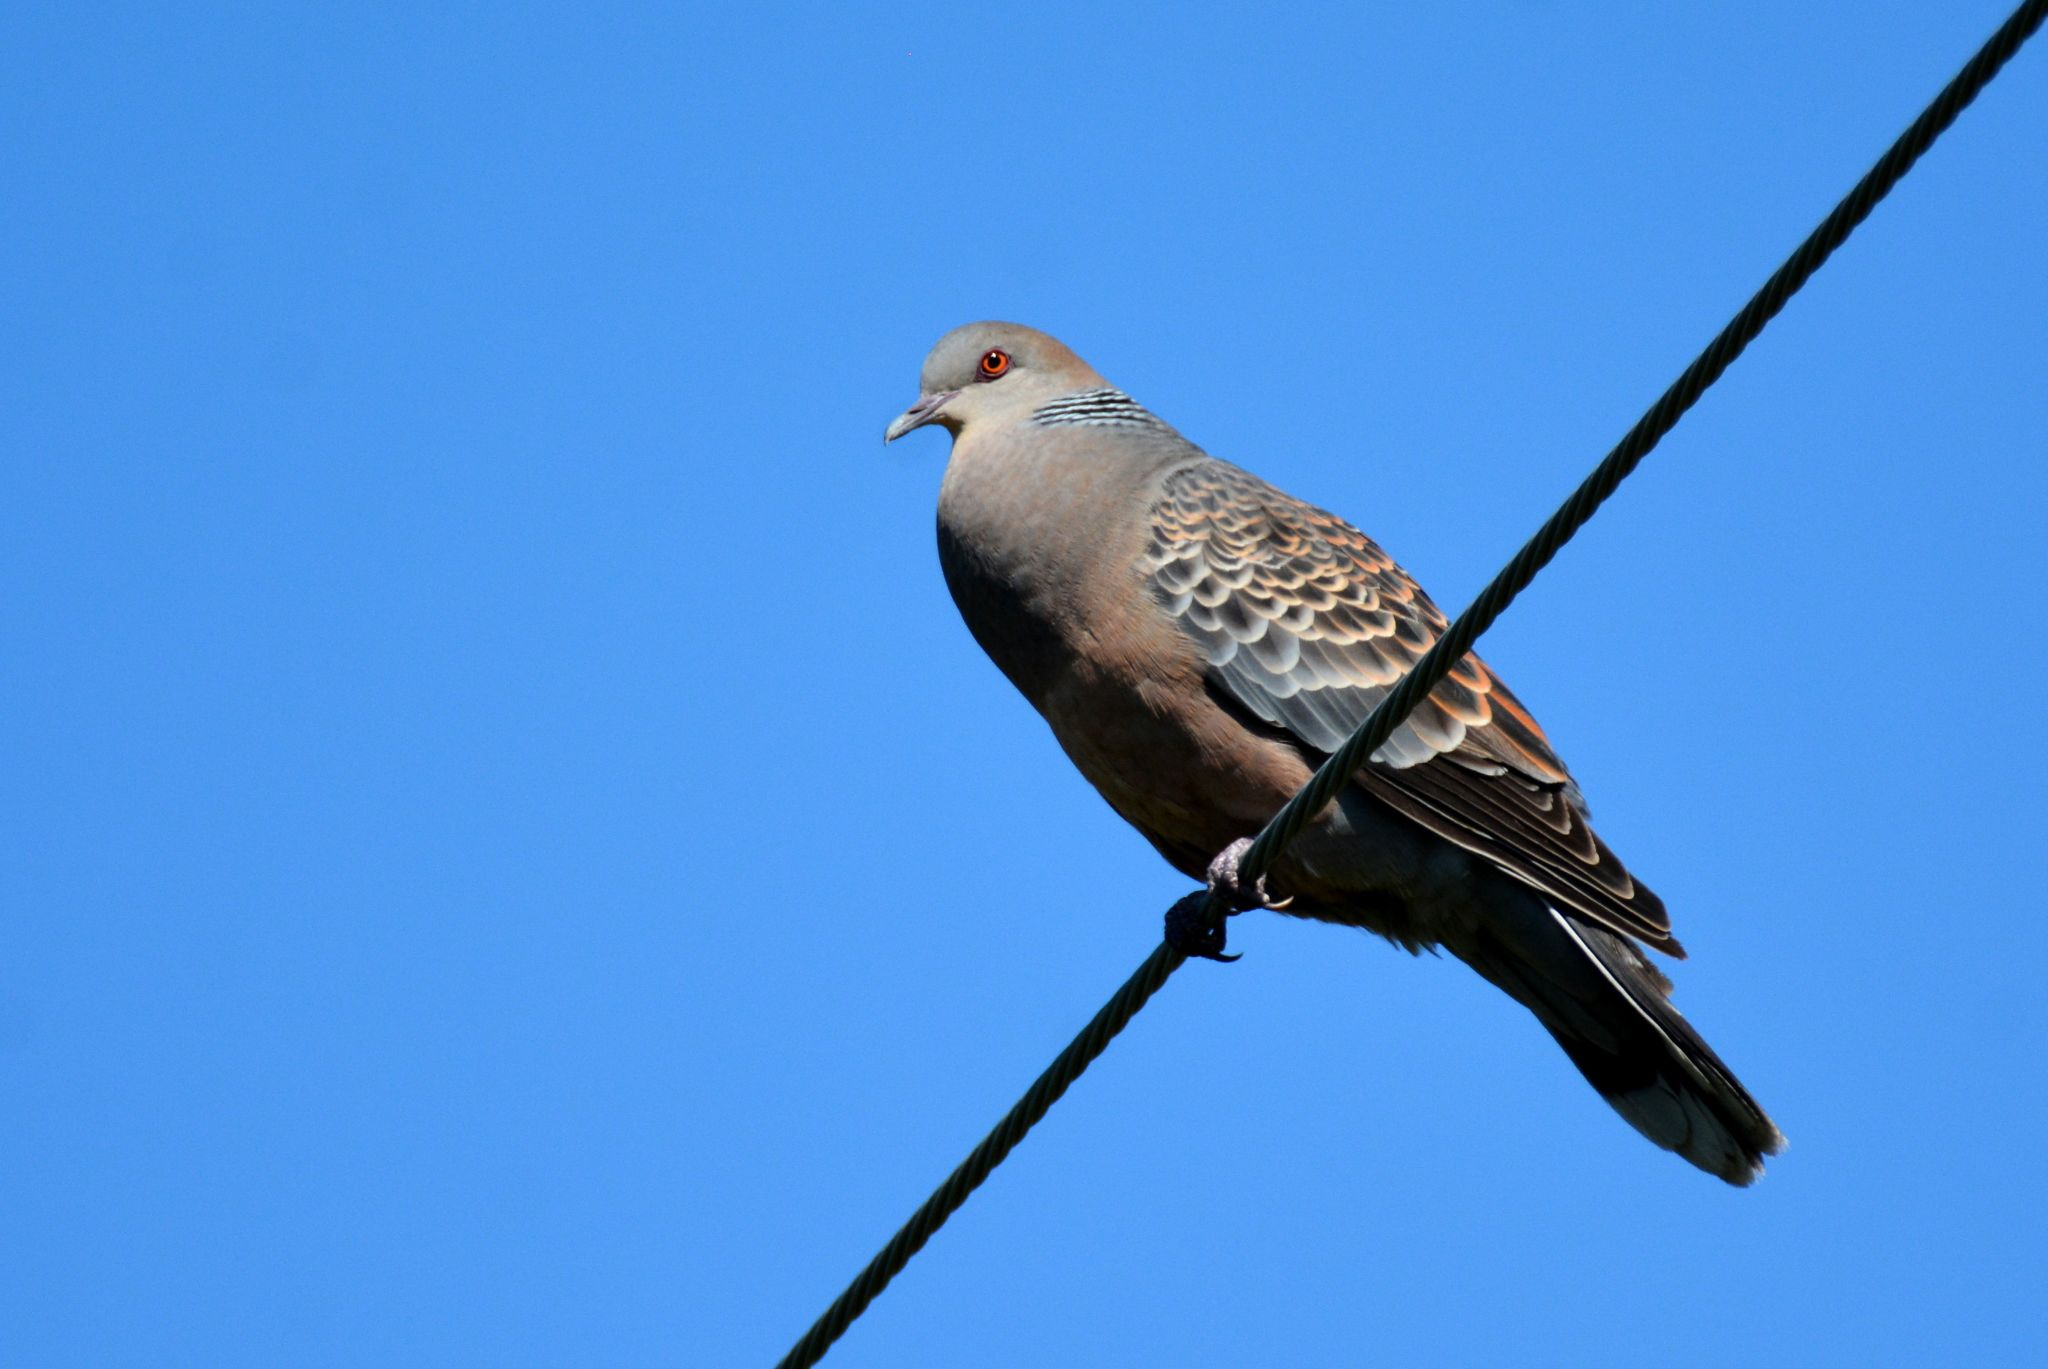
(1413, 687)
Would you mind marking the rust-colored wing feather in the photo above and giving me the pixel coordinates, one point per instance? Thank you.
(1305, 623)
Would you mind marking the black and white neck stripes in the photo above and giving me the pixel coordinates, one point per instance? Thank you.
(1096, 408)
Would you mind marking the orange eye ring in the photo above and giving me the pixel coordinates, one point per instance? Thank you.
(994, 362)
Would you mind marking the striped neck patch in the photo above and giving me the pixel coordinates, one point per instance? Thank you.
(1096, 408)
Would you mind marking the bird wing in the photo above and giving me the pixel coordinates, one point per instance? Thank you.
(1306, 623)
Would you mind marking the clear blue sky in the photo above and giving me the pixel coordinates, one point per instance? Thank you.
(509, 856)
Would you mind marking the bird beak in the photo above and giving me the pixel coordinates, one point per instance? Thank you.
(918, 414)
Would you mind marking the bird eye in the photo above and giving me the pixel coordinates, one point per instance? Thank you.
(994, 363)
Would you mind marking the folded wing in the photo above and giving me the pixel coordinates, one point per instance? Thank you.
(1306, 623)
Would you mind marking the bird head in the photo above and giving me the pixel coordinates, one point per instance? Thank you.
(989, 372)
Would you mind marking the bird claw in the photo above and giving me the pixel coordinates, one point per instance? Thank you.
(1229, 886)
(1195, 926)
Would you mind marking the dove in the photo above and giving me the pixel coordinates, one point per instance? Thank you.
(1199, 641)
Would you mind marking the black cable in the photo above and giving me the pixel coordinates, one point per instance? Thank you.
(1429, 672)
(1413, 687)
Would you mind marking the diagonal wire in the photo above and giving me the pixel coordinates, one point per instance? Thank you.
(1413, 687)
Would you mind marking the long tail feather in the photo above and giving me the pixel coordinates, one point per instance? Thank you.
(1610, 1009)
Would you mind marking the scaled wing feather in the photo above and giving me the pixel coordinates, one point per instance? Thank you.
(1305, 623)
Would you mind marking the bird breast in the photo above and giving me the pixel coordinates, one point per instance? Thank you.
(1046, 563)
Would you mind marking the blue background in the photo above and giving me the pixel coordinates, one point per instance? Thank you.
(510, 857)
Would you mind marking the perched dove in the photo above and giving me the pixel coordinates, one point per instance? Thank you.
(1200, 641)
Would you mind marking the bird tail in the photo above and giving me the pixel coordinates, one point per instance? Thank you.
(1610, 1009)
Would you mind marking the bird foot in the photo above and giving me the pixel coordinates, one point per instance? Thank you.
(1227, 881)
(1195, 925)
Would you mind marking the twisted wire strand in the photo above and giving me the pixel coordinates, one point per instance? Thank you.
(1037, 1100)
(1413, 687)
(1429, 672)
